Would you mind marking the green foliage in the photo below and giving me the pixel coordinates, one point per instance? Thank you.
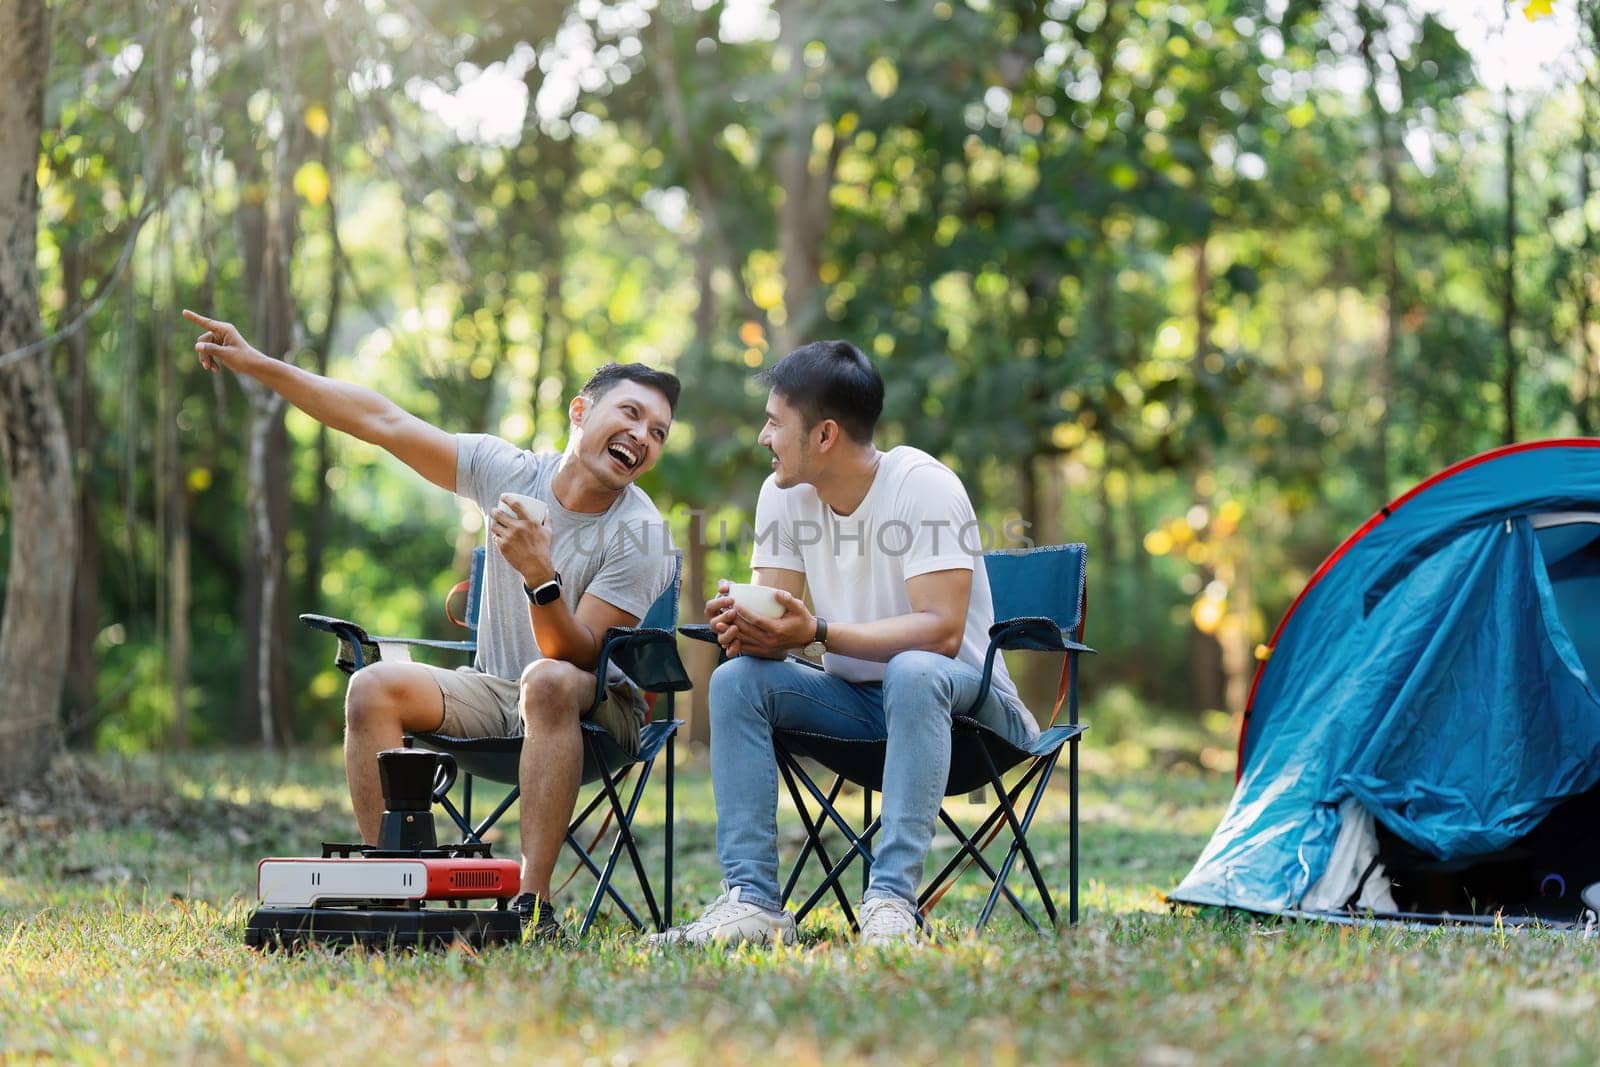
(1126, 266)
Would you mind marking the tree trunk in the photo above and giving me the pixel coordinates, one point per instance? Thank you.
(322, 500)
(700, 659)
(172, 517)
(553, 330)
(1107, 550)
(1508, 391)
(179, 604)
(81, 716)
(703, 191)
(264, 711)
(172, 523)
(267, 236)
(1383, 371)
(807, 183)
(33, 437)
(1589, 390)
(1036, 681)
(1206, 682)
(1238, 651)
(1028, 498)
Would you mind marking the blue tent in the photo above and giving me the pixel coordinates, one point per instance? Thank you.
(1436, 678)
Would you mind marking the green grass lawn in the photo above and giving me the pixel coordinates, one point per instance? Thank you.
(122, 905)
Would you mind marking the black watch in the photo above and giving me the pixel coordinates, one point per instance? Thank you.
(819, 643)
(548, 593)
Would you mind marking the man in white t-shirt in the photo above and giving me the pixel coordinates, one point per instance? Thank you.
(889, 545)
(599, 558)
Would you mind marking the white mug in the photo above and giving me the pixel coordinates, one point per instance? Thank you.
(531, 506)
(755, 599)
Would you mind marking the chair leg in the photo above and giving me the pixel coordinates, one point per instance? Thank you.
(625, 834)
(1072, 822)
(857, 841)
(470, 834)
(462, 822)
(604, 886)
(813, 841)
(866, 821)
(970, 848)
(1027, 824)
(594, 803)
(670, 782)
(983, 833)
(1072, 791)
(610, 891)
(624, 840)
(859, 844)
(1019, 839)
(833, 878)
(494, 816)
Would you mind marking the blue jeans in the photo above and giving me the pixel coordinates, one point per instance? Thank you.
(751, 697)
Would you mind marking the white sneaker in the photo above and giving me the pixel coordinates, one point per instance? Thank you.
(887, 921)
(734, 921)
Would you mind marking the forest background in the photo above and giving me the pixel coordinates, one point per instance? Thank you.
(1202, 283)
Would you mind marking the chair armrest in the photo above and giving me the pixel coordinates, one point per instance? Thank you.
(1030, 634)
(428, 642)
(1034, 634)
(699, 631)
(356, 648)
(648, 656)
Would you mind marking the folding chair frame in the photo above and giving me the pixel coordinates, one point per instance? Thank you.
(647, 654)
(661, 734)
(1003, 815)
(1031, 632)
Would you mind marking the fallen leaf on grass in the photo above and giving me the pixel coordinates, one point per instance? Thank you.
(1166, 1056)
(1552, 1001)
(114, 872)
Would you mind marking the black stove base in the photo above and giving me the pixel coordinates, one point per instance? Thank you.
(296, 928)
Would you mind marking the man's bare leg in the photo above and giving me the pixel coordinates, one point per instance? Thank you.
(383, 702)
(554, 695)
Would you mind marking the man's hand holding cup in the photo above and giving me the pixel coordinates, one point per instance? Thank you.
(758, 620)
(520, 529)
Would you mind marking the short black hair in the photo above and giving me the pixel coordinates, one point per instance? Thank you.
(602, 380)
(829, 380)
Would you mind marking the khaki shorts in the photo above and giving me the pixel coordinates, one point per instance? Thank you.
(483, 705)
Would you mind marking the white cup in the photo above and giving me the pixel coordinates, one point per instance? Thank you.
(755, 599)
(531, 506)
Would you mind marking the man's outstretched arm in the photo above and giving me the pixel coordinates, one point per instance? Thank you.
(352, 409)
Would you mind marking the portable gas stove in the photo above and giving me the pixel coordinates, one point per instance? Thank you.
(380, 895)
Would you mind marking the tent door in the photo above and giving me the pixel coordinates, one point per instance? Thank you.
(1570, 544)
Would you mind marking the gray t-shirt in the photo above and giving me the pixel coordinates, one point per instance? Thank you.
(622, 555)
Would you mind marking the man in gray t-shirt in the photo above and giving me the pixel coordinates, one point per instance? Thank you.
(553, 583)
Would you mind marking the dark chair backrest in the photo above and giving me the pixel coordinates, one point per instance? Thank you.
(663, 614)
(1046, 582)
(475, 589)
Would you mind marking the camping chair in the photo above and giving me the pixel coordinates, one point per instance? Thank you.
(648, 654)
(1039, 604)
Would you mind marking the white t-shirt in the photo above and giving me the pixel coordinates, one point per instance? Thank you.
(915, 519)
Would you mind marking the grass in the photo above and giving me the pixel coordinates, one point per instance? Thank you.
(120, 939)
